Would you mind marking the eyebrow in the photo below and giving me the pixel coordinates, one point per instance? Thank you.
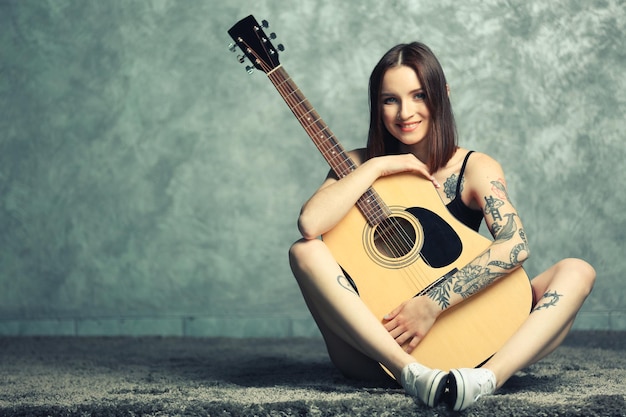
(417, 90)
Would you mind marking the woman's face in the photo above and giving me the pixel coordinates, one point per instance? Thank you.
(405, 114)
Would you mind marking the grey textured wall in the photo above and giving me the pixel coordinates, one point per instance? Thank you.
(149, 185)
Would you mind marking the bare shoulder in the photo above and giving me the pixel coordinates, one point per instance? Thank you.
(484, 177)
(481, 166)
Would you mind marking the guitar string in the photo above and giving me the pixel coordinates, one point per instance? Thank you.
(387, 235)
(397, 248)
(268, 69)
(392, 233)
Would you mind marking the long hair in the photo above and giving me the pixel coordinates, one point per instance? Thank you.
(441, 136)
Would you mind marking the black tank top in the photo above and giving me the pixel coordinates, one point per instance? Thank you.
(468, 216)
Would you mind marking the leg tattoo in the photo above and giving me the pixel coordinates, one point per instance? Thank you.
(345, 283)
(550, 299)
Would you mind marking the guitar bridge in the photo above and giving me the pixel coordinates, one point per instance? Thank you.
(437, 283)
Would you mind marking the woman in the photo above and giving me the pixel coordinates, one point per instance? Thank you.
(412, 130)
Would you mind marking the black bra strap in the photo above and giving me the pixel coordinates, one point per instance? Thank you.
(460, 180)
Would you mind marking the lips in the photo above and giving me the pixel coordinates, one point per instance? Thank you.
(408, 127)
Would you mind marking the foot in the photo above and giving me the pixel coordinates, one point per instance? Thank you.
(467, 385)
(424, 383)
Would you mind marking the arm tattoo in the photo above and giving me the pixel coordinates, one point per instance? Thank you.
(507, 232)
(550, 300)
(494, 203)
(466, 282)
(493, 207)
(499, 189)
(522, 234)
(475, 276)
(483, 271)
(441, 294)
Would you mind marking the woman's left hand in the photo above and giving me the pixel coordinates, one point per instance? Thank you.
(410, 321)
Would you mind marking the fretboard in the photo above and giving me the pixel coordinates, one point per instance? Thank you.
(370, 204)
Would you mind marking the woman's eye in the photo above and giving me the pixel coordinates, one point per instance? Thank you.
(420, 96)
(389, 100)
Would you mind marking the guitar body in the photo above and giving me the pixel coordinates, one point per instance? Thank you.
(463, 336)
(401, 240)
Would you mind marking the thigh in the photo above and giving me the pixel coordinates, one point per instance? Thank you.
(307, 259)
(350, 361)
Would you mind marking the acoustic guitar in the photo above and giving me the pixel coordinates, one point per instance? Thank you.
(400, 241)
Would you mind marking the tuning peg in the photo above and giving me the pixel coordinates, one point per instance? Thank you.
(250, 69)
(265, 24)
(241, 58)
(232, 47)
(272, 36)
(280, 47)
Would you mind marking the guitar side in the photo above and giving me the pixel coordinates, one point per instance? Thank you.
(464, 335)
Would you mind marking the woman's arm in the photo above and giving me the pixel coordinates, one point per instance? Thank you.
(509, 249)
(332, 201)
(484, 179)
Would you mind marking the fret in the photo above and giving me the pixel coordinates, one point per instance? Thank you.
(370, 203)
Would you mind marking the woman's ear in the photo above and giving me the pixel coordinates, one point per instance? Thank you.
(448, 89)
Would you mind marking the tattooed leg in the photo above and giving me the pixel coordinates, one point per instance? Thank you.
(356, 340)
(549, 299)
(561, 291)
(346, 283)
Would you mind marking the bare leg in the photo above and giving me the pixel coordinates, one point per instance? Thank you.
(349, 360)
(352, 333)
(560, 292)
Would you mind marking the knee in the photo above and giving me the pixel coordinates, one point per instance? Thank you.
(583, 273)
(302, 253)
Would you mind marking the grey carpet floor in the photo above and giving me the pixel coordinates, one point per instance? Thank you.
(54, 376)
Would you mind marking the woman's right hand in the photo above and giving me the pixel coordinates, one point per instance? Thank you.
(396, 164)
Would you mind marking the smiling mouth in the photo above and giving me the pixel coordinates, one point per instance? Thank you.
(407, 127)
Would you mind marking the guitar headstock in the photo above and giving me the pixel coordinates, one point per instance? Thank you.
(249, 36)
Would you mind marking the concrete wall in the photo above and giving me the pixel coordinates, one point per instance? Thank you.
(148, 185)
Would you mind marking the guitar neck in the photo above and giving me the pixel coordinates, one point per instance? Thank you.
(316, 128)
(370, 204)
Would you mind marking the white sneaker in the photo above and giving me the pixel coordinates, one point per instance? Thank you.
(467, 385)
(424, 383)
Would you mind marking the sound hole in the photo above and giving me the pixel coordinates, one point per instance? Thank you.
(394, 237)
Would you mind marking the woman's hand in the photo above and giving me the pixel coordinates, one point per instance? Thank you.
(332, 201)
(395, 164)
(411, 321)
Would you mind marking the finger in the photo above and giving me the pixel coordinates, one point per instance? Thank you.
(392, 315)
(412, 344)
(389, 326)
(396, 332)
(403, 338)
(426, 174)
(430, 178)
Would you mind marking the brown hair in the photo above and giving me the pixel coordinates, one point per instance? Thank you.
(442, 136)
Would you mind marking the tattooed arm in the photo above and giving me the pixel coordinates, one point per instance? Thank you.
(485, 185)
(484, 180)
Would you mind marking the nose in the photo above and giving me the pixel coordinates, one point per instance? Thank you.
(405, 111)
